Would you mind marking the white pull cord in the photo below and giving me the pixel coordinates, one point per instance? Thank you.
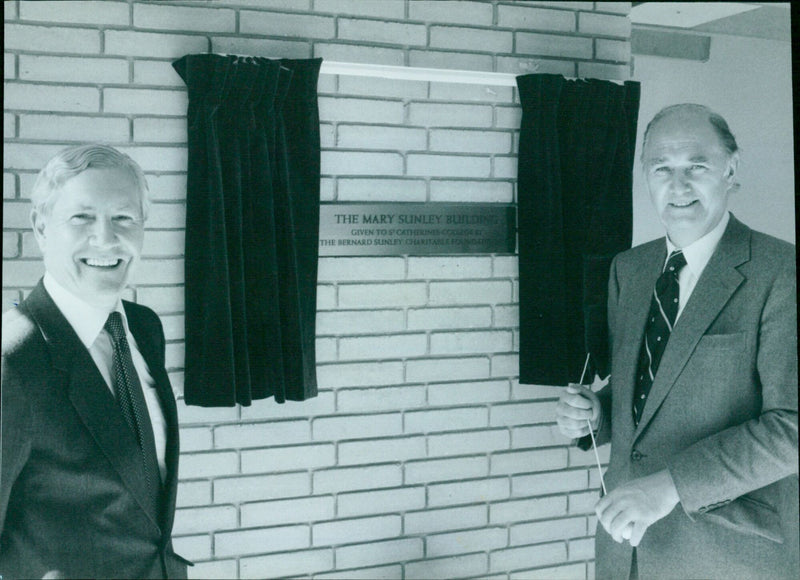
(591, 432)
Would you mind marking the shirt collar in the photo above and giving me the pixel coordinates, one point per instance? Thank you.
(85, 319)
(699, 252)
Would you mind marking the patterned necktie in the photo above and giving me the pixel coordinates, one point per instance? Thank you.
(660, 320)
(132, 404)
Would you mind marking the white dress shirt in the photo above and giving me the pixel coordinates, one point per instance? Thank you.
(697, 255)
(88, 323)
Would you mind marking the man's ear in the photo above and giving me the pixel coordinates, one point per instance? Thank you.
(733, 168)
(39, 223)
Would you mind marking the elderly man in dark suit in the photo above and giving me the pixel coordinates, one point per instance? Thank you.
(701, 406)
(89, 422)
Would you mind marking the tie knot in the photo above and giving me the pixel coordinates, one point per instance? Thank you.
(114, 326)
(675, 262)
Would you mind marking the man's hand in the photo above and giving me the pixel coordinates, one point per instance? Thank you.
(576, 405)
(630, 509)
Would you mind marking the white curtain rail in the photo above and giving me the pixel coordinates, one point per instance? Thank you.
(440, 75)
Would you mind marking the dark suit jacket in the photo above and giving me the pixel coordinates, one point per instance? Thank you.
(72, 495)
(721, 416)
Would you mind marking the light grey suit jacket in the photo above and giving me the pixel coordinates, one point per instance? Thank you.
(721, 416)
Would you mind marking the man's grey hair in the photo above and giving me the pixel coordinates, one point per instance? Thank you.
(719, 124)
(76, 159)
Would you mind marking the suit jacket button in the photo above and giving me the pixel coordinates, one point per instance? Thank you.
(636, 455)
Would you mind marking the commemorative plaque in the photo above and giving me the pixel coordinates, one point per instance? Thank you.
(383, 229)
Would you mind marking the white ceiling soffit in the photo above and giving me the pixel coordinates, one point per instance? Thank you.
(686, 14)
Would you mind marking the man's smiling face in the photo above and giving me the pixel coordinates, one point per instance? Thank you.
(92, 235)
(689, 174)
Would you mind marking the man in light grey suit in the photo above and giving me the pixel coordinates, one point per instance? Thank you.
(702, 480)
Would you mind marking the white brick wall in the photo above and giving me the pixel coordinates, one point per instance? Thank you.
(422, 457)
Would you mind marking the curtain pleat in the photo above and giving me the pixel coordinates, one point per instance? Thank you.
(574, 188)
(252, 228)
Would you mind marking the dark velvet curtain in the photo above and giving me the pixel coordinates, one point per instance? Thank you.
(252, 228)
(576, 151)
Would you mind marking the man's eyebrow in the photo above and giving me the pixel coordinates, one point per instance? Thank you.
(123, 207)
(693, 159)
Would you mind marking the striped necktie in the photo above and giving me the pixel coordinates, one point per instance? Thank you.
(133, 406)
(660, 320)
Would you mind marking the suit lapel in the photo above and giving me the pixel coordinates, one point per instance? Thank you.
(151, 347)
(716, 285)
(171, 416)
(89, 394)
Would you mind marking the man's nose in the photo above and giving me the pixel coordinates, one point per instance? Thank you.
(679, 182)
(103, 233)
